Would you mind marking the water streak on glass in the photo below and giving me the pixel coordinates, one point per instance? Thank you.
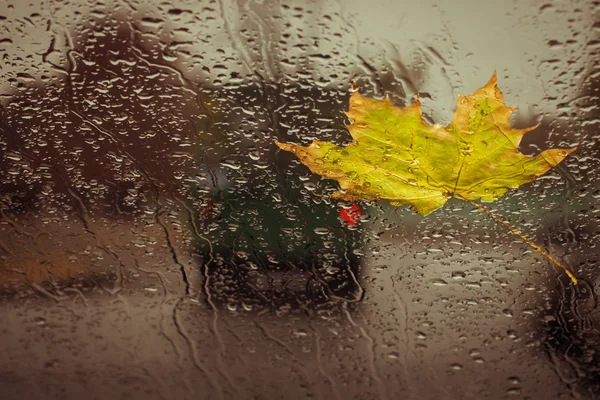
(156, 244)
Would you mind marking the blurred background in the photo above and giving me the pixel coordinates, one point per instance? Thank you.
(156, 244)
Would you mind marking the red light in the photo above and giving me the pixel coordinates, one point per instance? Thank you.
(351, 214)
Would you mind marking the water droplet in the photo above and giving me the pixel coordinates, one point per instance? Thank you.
(458, 275)
(439, 282)
(321, 231)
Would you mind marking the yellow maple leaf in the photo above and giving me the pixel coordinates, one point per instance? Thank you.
(397, 156)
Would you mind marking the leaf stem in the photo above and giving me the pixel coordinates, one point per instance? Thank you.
(517, 232)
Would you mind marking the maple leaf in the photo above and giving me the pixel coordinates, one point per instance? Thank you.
(397, 156)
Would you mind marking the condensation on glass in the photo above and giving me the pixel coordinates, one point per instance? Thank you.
(156, 244)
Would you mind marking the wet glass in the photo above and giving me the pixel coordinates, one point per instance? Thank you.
(155, 243)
